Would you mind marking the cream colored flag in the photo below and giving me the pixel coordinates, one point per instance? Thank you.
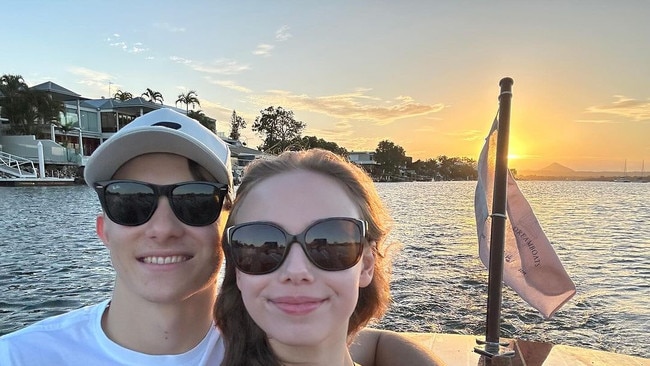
(531, 266)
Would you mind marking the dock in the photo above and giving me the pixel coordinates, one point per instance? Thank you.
(34, 182)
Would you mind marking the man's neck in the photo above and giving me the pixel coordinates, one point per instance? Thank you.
(157, 328)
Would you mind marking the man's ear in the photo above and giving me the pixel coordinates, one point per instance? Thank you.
(100, 229)
(368, 268)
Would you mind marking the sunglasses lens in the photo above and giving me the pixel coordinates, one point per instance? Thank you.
(334, 245)
(129, 203)
(257, 248)
(196, 204)
(331, 245)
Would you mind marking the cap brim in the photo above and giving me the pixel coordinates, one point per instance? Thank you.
(113, 153)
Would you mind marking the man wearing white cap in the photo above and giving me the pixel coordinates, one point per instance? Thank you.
(165, 185)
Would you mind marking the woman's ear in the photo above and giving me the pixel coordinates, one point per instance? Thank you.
(368, 267)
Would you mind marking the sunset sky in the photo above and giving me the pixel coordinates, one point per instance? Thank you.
(422, 74)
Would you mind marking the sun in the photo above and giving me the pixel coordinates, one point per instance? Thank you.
(516, 149)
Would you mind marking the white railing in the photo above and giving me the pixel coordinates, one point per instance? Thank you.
(16, 166)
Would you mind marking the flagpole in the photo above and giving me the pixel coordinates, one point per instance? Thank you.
(497, 236)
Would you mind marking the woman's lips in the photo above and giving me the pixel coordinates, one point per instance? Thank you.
(297, 305)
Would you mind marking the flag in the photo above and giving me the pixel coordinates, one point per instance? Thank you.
(531, 266)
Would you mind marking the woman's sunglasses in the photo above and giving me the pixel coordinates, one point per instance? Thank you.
(132, 203)
(331, 244)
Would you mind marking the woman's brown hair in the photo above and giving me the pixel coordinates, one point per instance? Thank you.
(246, 343)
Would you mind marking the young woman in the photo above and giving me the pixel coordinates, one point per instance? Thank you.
(305, 263)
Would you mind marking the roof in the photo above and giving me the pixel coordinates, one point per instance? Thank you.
(237, 149)
(131, 106)
(57, 91)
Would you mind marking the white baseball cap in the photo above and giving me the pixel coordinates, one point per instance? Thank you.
(161, 131)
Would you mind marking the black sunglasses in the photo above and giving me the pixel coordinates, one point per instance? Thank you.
(331, 244)
(132, 203)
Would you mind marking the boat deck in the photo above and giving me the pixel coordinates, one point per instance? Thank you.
(458, 350)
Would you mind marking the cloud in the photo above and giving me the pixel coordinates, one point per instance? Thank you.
(121, 45)
(282, 34)
(98, 82)
(263, 50)
(91, 77)
(137, 47)
(343, 134)
(468, 135)
(221, 66)
(340, 130)
(598, 121)
(215, 108)
(229, 84)
(180, 60)
(169, 28)
(357, 105)
(636, 110)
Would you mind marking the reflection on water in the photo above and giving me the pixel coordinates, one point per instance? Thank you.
(52, 260)
(600, 230)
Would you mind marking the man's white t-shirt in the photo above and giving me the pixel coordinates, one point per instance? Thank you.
(77, 338)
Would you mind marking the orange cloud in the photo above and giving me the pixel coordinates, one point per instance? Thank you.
(356, 105)
(636, 110)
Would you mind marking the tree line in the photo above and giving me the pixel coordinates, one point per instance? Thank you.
(27, 110)
(280, 131)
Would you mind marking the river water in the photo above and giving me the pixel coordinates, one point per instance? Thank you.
(52, 261)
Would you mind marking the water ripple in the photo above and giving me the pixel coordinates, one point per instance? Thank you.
(53, 262)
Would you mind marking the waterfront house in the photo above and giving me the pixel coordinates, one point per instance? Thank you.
(92, 121)
(366, 160)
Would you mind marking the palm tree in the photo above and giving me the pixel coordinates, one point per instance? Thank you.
(14, 102)
(153, 96)
(123, 95)
(27, 109)
(66, 128)
(190, 98)
(48, 110)
(203, 119)
(10, 85)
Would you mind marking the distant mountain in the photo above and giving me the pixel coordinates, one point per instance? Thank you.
(556, 168)
(553, 170)
(557, 171)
